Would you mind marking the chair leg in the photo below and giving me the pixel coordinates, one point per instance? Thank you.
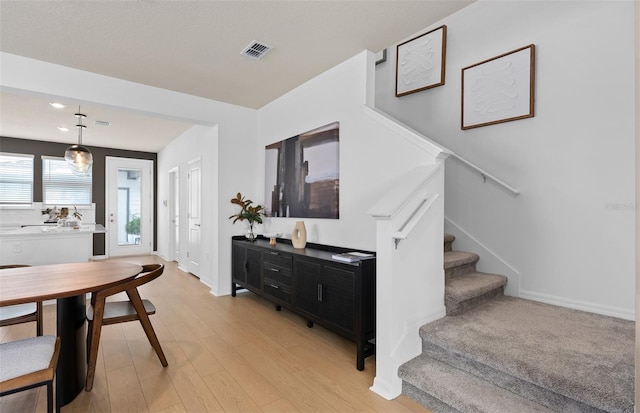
(89, 334)
(135, 299)
(50, 396)
(39, 321)
(98, 314)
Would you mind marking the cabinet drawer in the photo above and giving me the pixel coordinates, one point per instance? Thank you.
(278, 259)
(277, 274)
(276, 291)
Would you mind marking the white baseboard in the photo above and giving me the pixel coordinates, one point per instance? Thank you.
(578, 305)
(385, 389)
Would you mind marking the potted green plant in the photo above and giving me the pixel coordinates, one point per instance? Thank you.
(133, 226)
(247, 212)
(133, 230)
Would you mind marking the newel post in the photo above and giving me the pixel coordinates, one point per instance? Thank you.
(386, 382)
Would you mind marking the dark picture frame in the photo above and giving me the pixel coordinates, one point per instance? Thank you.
(500, 89)
(420, 62)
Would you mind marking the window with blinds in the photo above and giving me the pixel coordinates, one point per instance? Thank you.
(60, 186)
(16, 179)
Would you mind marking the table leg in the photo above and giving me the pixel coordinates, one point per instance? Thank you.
(72, 364)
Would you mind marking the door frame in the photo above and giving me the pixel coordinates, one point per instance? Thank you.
(173, 253)
(147, 206)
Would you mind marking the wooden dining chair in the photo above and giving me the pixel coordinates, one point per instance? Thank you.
(21, 313)
(29, 363)
(101, 312)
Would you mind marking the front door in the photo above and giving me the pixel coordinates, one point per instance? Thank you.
(129, 206)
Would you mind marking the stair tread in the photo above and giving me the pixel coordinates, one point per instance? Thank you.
(461, 390)
(457, 258)
(583, 356)
(470, 285)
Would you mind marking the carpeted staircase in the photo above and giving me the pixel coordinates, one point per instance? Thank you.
(495, 354)
(466, 288)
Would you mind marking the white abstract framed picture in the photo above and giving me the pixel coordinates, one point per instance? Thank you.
(500, 89)
(420, 62)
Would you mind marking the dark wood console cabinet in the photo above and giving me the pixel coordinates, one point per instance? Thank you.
(339, 296)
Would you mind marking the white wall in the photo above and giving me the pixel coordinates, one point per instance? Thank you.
(570, 234)
(369, 159)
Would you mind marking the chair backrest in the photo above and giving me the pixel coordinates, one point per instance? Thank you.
(149, 273)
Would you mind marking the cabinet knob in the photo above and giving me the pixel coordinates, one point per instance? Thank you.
(275, 286)
(319, 292)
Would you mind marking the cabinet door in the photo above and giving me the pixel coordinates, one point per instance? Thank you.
(254, 269)
(338, 299)
(307, 287)
(237, 264)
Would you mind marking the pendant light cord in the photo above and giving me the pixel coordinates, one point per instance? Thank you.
(80, 126)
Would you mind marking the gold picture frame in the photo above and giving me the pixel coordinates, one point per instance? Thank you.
(500, 89)
(420, 62)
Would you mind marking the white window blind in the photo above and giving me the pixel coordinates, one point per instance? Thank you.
(16, 179)
(60, 186)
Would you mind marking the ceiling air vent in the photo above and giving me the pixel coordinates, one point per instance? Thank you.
(102, 123)
(256, 50)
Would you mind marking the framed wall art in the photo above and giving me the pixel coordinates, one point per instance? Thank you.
(302, 174)
(420, 62)
(500, 89)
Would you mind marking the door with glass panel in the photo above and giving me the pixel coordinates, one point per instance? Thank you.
(129, 206)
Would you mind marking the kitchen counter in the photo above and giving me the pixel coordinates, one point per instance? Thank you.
(52, 229)
(47, 244)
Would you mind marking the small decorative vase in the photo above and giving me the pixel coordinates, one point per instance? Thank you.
(250, 235)
(299, 235)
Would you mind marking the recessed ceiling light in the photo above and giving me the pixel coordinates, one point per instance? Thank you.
(57, 105)
(63, 129)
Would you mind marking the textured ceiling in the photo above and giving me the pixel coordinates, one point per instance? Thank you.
(194, 46)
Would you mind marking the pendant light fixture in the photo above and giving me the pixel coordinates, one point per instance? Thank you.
(77, 156)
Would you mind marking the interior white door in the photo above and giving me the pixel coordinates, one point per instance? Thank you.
(129, 206)
(174, 215)
(194, 217)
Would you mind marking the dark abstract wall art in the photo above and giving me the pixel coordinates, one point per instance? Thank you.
(302, 175)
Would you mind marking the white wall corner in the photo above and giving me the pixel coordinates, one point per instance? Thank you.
(370, 79)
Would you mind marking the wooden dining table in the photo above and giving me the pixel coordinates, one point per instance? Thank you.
(68, 284)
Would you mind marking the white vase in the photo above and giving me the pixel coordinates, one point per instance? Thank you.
(299, 235)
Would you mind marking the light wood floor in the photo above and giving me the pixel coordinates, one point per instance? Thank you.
(225, 355)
